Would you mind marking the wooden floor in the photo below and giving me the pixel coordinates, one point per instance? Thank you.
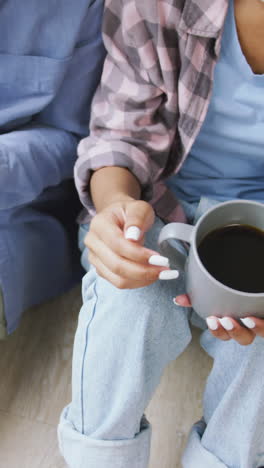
(35, 369)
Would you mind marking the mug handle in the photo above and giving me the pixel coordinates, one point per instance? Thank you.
(176, 231)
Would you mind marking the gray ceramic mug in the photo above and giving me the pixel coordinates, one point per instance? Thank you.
(209, 296)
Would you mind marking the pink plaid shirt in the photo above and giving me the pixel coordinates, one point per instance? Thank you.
(154, 93)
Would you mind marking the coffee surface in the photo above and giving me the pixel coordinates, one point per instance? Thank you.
(234, 255)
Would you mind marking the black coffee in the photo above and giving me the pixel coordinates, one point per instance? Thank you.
(234, 255)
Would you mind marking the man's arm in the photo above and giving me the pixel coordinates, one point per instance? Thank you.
(42, 153)
(32, 159)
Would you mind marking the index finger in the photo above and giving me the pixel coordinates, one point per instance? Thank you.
(113, 236)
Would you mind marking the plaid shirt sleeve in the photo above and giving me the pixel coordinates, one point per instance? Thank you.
(134, 109)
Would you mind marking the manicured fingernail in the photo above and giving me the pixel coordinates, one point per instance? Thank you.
(174, 300)
(168, 274)
(248, 322)
(212, 323)
(176, 303)
(133, 233)
(226, 323)
(158, 260)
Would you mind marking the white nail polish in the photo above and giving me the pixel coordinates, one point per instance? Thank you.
(212, 323)
(158, 260)
(168, 274)
(133, 233)
(248, 322)
(226, 323)
(176, 303)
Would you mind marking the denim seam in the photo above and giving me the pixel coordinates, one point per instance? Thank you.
(84, 356)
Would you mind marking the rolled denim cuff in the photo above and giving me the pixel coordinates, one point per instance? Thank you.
(197, 456)
(80, 451)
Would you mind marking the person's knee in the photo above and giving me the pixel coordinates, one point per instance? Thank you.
(148, 312)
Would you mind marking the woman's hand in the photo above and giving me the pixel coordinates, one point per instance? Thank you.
(228, 328)
(115, 243)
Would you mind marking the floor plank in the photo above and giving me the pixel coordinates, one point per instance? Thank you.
(36, 361)
(27, 444)
(177, 404)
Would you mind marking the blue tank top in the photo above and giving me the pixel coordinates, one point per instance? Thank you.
(227, 158)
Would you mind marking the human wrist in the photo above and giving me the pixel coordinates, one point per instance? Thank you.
(113, 185)
(119, 197)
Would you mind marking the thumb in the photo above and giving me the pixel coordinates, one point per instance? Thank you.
(139, 217)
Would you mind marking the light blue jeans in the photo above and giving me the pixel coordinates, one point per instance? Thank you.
(124, 340)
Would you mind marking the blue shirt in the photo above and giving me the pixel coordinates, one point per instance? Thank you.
(227, 158)
(50, 62)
